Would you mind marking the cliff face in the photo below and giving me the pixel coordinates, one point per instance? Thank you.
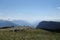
(49, 25)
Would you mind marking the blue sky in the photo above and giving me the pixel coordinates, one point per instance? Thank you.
(30, 10)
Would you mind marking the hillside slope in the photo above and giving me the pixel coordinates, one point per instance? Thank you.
(28, 34)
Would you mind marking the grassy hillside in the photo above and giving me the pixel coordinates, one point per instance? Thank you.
(28, 34)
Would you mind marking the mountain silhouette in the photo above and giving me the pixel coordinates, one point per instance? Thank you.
(6, 23)
(49, 25)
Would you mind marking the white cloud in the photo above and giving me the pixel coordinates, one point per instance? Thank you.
(58, 7)
(31, 19)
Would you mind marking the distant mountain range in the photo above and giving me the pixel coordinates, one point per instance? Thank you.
(21, 22)
(4, 23)
(26, 23)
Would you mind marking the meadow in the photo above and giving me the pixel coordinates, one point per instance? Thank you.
(28, 34)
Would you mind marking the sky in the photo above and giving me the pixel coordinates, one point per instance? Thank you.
(30, 10)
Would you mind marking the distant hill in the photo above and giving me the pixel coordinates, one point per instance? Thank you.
(6, 23)
(21, 22)
(49, 25)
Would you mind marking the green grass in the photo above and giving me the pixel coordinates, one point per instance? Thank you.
(28, 34)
